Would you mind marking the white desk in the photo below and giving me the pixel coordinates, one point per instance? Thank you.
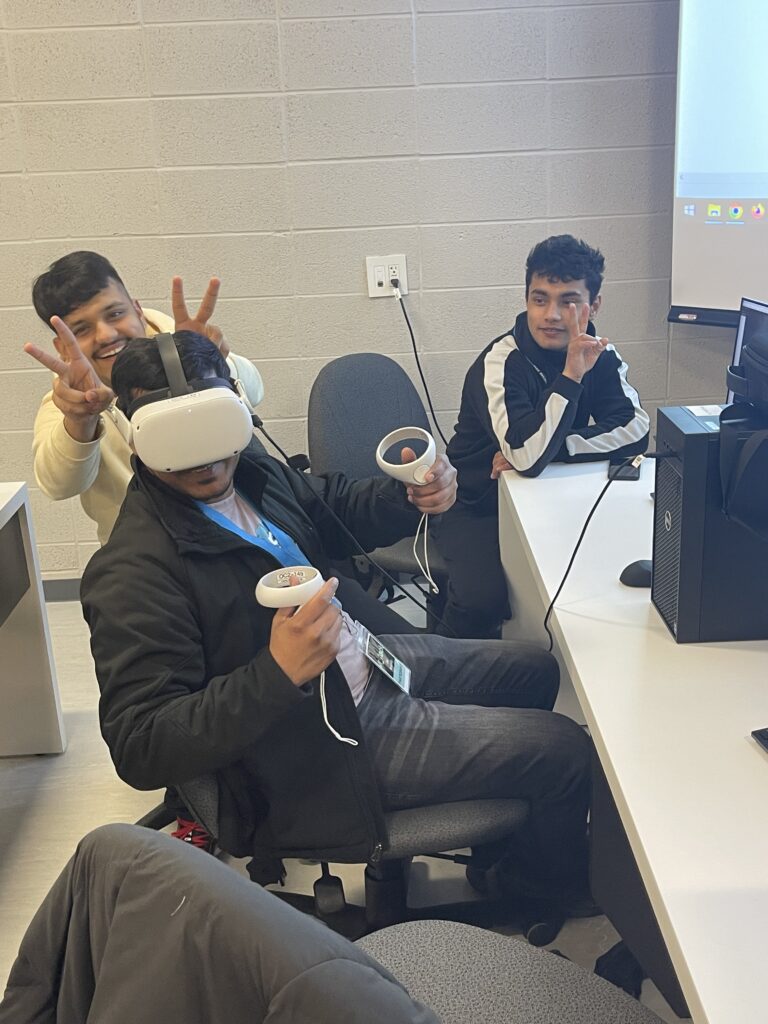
(30, 711)
(670, 723)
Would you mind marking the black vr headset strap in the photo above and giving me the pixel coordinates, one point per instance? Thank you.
(174, 371)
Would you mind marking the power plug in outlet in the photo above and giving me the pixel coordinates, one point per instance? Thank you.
(380, 270)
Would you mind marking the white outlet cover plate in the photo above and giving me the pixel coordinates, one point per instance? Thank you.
(377, 270)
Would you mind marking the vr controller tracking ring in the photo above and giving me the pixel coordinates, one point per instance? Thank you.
(412, 473)
(409, 472)
(275, 591)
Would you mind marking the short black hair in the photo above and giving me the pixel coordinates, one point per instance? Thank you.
(71, 281)
(565, 258)
(139, 364)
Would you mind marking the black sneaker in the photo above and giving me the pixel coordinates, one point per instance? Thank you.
(571, 900)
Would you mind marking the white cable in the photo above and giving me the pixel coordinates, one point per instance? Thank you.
(424, 521)
(339, 737)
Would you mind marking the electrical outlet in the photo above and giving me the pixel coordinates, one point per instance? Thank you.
(380, 270)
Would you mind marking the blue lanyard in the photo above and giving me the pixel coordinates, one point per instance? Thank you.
(269, 538)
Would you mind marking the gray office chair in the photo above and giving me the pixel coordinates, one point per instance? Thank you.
(355, 401)
(419, 831)
(468, 974)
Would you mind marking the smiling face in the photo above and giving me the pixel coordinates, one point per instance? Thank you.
(103, 325)
(546, 304)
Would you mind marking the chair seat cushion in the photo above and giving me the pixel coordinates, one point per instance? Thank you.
(398, 558)
(441, 827)
(468, 975)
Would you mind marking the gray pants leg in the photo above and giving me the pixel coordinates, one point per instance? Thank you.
(438, 744)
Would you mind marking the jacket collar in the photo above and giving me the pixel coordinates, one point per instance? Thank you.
(181, 517)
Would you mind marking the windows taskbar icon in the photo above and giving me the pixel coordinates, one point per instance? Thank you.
(736, 211)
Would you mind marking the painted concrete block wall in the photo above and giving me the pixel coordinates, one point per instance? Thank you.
(278, 142)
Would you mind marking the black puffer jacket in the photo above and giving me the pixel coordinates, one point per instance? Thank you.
(188, 685)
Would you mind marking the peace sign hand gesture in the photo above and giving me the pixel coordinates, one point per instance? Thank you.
(583, 349)
(77, 390)
(198, 322)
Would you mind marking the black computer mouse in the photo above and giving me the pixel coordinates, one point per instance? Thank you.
(637, 574)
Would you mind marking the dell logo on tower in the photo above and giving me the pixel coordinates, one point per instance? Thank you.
(667, 520)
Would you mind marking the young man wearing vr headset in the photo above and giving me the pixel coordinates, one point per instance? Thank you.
(308, 740)
(548, 390)
(76, 449)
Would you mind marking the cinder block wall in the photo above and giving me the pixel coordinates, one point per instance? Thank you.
(277, 142)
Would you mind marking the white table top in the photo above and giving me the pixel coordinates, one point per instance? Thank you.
(671, 723)
(12, 497)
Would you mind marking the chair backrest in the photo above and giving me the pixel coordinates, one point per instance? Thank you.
(355, 401)
(201, 796)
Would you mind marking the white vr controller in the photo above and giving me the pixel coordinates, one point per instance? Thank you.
(408, 472)
(274, 590)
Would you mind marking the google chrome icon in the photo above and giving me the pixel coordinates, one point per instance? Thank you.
(758, 211)
(736, 212)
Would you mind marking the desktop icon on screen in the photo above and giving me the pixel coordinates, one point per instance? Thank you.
(689, 209)
(714, 210)
(735, 211)
(758, 211)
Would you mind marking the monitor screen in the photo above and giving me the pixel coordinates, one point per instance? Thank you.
(720, 222)
(752, 316)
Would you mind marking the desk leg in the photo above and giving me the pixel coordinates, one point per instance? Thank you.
(618, 888)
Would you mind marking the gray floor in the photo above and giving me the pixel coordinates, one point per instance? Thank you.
(48, 803)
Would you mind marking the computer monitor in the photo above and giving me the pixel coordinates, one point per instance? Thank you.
(752, 315)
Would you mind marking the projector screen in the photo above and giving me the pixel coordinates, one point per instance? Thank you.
(720, 227)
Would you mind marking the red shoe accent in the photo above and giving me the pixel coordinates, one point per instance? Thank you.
(191, 832)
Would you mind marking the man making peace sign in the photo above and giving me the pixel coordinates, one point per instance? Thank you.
(76, 449)
(547, 390)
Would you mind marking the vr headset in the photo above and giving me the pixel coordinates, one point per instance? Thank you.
(189, 423)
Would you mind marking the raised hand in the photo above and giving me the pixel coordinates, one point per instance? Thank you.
(305, 642)
(77, 390)
(583, 349)
(439, 492)
(198, 322)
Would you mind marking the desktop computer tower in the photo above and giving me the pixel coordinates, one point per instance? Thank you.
(710, 575)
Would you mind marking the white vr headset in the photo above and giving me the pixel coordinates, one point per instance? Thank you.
(187, 424)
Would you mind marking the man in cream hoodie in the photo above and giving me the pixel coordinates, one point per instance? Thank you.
(76, 449)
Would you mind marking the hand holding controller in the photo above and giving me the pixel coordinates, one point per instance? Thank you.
(414, 472)
(306, 629)
(437, 477)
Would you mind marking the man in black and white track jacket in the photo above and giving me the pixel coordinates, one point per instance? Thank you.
(547, 390)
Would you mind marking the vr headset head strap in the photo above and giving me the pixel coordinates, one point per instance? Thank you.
(174, 371)
(200, 384)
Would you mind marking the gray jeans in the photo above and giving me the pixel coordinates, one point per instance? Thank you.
(478, 724)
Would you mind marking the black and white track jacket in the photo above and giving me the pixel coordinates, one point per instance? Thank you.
(516, 400)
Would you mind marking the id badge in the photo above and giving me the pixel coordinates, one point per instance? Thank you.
(383, 659)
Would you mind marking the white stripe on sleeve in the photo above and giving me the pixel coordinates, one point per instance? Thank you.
(619, 437)
(493, 378)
